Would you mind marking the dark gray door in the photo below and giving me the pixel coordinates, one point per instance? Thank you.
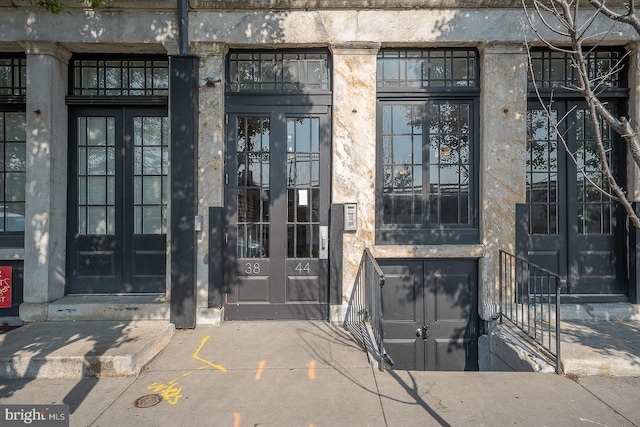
(277, 213)
(568, 225)
(118, 191)
(430, 314)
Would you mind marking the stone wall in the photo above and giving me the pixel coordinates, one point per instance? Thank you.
(354, 31)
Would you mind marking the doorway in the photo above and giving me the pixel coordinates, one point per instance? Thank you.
(118, 189)
(568, 226)
(277, 212)
(430, 314)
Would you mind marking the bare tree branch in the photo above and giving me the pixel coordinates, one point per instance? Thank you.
(630, 18)
(577, 28)
(555, 123)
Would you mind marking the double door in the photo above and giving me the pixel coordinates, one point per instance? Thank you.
(277, 213)
(568, 225)
(118, 189)
(430, 314)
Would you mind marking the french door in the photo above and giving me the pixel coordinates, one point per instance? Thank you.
(277, 213)
(568, 225)
(118, 189)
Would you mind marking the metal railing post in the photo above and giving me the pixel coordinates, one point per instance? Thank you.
(559, 285)
(366, 306)
(527, 299)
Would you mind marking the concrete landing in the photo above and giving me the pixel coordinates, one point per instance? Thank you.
(601, 347)
(596, 339)
(82, 349)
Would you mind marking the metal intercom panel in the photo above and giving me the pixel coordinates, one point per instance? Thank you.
(350, 216)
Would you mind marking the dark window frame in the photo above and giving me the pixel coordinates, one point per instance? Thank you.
(614, 95)
(145, 102)
(132, 93)
(546, 86)
(15, 102)
(19, 87)
(276, 87)
(426, 233)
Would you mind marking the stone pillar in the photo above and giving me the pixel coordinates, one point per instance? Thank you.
(633, 174)
(210, 175)
(354, 150)
(46, 178)
(502, 160)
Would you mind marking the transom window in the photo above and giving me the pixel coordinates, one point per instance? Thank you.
(553, 69)
(143, 76)
(431, 68)
(13, 75)
(427, 146)
(278, 71)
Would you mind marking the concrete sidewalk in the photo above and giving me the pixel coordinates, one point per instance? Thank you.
(302, 373)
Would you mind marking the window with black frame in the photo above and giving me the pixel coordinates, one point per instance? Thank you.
(427, 180)
(13, 89)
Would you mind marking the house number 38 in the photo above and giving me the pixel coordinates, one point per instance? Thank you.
(252, 268)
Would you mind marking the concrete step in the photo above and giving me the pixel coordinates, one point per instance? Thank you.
(99, 307)
(76, 349)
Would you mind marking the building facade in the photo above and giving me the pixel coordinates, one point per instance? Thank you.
(234, 159)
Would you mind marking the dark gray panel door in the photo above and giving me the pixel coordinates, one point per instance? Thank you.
(569, 227)
(277, 214)
(404, 313)
(430, 312)
(118, 191)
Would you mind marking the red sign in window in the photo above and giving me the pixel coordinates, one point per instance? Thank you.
(5, 287)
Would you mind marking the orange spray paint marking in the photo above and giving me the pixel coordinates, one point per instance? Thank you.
(312, 370)
(236, 419)
(197, 357)
(260, 368)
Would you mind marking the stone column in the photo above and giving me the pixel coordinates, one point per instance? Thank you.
(210, 175)
(46, 177)
(354, 151)
(502, 159)
(633, 174)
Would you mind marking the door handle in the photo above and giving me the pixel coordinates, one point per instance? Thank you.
(324, 249)
(422, 332)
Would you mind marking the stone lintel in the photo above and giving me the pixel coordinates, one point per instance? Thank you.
(503, 48)
(428, 251)
(355, 48)
(206, 48)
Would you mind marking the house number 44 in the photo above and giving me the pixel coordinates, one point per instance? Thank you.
(303, 269)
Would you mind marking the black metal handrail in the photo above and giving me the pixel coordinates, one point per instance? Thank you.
(366, 306)
(529, 294)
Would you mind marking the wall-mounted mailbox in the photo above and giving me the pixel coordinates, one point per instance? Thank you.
(350, 217)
